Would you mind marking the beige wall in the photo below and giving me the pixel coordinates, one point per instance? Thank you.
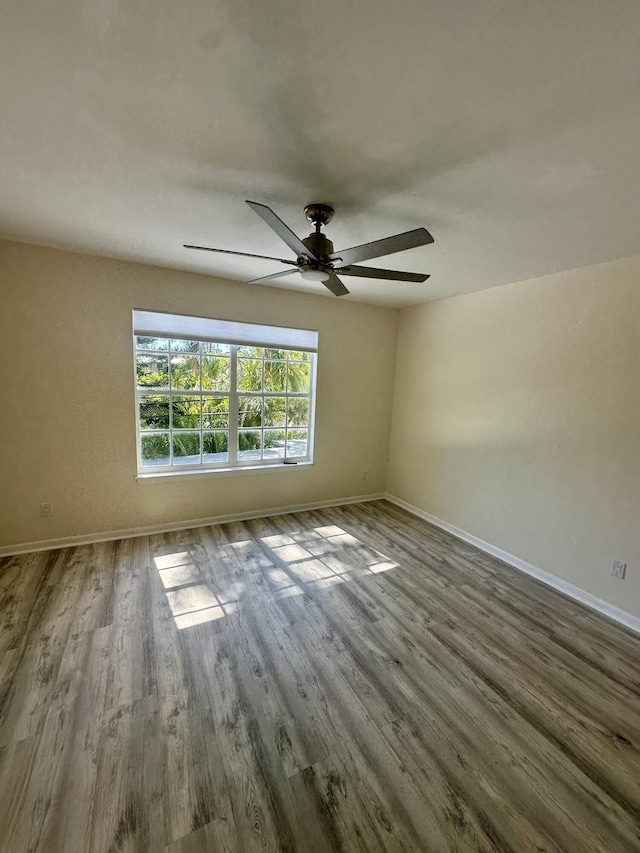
(67, 434)
(517, 419)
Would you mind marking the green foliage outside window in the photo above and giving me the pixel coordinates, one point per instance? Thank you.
(197, 424)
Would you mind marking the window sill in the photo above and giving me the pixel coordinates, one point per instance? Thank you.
(145, 479)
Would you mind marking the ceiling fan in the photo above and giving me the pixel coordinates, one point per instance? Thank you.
(315, 258)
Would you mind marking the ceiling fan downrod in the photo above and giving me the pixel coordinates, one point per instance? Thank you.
(318, 245)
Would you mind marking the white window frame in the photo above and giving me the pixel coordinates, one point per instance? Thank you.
(234, 334)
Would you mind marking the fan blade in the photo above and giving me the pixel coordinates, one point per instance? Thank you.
(242, 254)
(273, 275)
(283, 231)
(397, 243)
(392, 275)
(335, 285)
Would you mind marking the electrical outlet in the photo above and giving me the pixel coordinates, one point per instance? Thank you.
(46, 510)
(618, 570)
(365, 474)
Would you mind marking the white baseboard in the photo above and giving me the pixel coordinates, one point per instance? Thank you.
(88, 539)
(575, 592)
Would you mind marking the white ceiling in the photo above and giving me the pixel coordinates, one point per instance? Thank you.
(509, 129)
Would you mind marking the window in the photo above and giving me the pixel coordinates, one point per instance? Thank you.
(216, 394)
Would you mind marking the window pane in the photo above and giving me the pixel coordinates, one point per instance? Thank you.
(215, 412)
(298, 411)
(249, 444)
(215, 447)
(143, 342)
(186, 448)
(275, 376)
(215, 373)
(152, 371)
(154, 412)
(186, 412)
(298, 373)
(275, 409)
(250, 352)
(276, 353)
(185, 346)
(249, 412)
(296, 442)
(213, 348)
(249, 374)
(185, 371)
(273, 443)
(155, 450)
(299, 356)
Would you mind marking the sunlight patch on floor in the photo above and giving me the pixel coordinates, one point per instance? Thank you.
(167, 561)
(191, 599)
(242, 545)
(198, 617)
(179, 575)
(319, 558)
(325, 556)
(283, 584)
(375, 568)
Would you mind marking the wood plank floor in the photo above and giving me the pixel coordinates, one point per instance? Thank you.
(350, 679)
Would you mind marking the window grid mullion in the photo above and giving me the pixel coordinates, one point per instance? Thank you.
(201, 418)
(233, 406)
(286, 420)
(170, 412)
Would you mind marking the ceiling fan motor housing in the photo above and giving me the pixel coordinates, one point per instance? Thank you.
(319, 245)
